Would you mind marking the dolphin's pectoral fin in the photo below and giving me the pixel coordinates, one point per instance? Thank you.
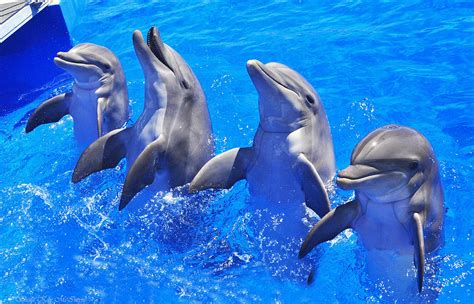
(101, 104)
(52, 110)
(105, 152)
(333, 223)
(315, 193)
(418, 204)
(222, 171)
(419, 245)
(142, 172)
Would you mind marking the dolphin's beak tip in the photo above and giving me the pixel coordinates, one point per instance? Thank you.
(252, 63)
(340, 183)
(59, 62)
(136, 34)
(59, 56)
(137, 39)
(343, 173)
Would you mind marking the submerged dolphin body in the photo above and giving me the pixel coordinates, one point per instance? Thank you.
(292, 155)
(98, 102)
(171, 139)
(398, 201)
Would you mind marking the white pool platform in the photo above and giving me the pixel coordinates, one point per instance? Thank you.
(14, 14)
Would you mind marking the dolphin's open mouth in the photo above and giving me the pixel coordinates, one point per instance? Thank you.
(157, 46)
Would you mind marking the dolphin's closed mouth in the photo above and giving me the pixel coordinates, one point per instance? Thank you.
(74, 58)
(87, 71)
(64, 62)
(68, 57)
(65, 59)
(72, 61)
(358, 180)
(261, 67)
(354, 172)
(357, 175)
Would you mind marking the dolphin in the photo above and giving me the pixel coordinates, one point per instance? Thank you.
(98, 102)
(292, 156)
(172, 138)
(398, 202)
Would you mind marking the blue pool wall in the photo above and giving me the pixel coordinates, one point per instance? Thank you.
(26, 58)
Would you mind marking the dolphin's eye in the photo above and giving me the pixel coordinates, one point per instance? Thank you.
(413, 165)
(185, 84)
(310, 100)
(105, 67)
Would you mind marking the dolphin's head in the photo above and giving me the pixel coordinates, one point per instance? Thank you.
(286, 100)
(164, 69)
(88, 63)
(389, 164)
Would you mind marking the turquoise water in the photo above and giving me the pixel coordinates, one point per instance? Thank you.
(372, 64)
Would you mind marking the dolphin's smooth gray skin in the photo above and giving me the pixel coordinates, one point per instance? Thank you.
(98, 102)
(398, 201)
(292, 155)
(172, 138)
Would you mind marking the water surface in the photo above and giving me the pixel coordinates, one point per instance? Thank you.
(372, 64)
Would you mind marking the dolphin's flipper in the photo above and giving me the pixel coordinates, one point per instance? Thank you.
(336, 221)
(419, 245)
(105, 152)
(142, 172)
(101, 104)
(52, 110)
(222, 171)
(315, 193)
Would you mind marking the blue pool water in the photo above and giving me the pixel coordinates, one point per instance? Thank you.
(372, 64)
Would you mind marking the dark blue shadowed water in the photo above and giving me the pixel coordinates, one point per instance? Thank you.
(30, 51)
(372, 64)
